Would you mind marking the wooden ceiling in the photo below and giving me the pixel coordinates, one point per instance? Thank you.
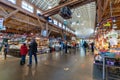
(70, 3)
(83, 13)
(109, 9)
(18, 20)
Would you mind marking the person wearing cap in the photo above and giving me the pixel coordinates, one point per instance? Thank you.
(23, 52)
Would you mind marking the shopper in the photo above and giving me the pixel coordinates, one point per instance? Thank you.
(62, 45)
(92, 47)
(85, 46)
(32, 51)
(23, 52)
(6, 48)
(66, 47)
(50, 46)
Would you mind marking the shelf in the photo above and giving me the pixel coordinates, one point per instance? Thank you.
(107, 65)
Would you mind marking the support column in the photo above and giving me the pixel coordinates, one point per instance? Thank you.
(40, 24)
(62, 34)
(49, 31)
(46, 28)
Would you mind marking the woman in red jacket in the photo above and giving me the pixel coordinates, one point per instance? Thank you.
(23, 52)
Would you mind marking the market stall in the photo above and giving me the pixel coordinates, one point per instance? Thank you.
(107, 54)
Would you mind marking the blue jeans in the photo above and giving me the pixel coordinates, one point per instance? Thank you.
(85, 50)
(22, 62)
(30, 58)
(23, 58)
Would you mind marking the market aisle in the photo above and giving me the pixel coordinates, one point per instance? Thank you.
(54, 66)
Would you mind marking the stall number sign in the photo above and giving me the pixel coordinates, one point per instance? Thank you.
(1, 23)
(107, 24)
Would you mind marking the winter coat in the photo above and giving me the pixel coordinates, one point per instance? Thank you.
(33, 47)
(85, 45)
(23, 50)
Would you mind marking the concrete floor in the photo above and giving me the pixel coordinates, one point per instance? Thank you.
(52, 66)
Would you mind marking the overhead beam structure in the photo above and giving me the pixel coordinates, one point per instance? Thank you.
(71, 4)
(17, 19)
(9, 15)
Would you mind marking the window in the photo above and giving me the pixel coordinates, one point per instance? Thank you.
(55, 22)
(38, 12)
(60, 25)
(12, 1)
(27, 6)
(63, 26)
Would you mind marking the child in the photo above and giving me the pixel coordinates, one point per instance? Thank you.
(23, 52)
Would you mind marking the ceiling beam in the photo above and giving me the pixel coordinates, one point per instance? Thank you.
(106, 4)
(71, 4)
(24, 12)
(11, 14)
(59, 6)
(20, 9)
(81, 3)
(24, 21)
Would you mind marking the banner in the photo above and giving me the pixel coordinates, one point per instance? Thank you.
(1, 23)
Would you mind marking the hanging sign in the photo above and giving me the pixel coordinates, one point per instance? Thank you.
(65, 22)
(107, 24)
(1, 23)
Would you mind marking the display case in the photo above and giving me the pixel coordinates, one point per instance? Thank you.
(15, 43)
(43, 44)
(111, 62)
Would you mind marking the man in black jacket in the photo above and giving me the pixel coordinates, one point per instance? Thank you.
(32, 51)
(85, 46)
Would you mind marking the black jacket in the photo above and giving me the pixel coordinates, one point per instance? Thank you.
(33, 47)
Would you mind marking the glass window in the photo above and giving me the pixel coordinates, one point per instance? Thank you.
(55, 22)
(12, 1)
(27, 6)
(38, 12)
(63, 26)
(60, 25)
